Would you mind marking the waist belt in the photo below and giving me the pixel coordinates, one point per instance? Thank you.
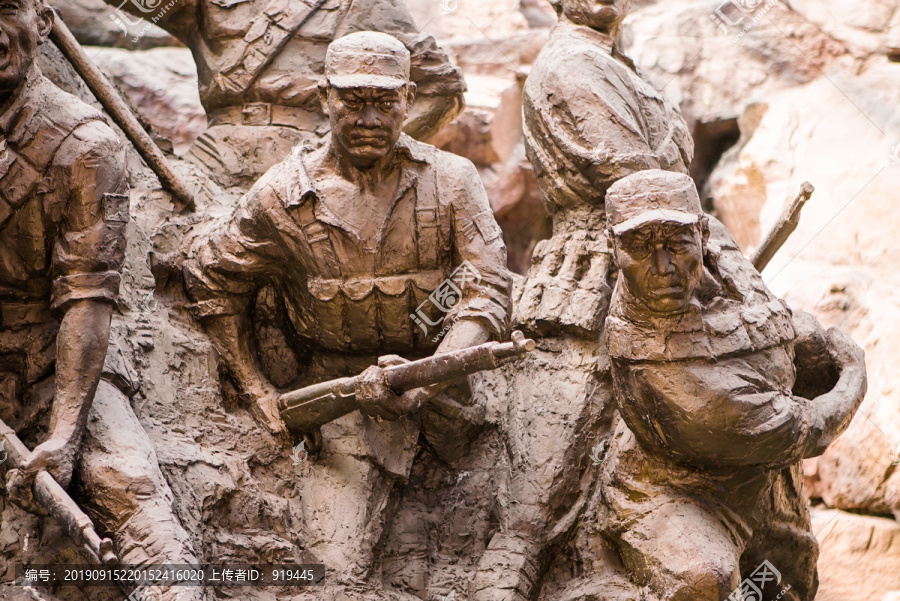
(264, 113)
(24, 313)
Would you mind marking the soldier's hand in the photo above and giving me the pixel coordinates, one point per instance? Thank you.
(57, 456)
(375, 396)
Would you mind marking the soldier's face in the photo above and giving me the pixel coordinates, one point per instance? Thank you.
(24, 24)
(605, 15)
(662, 264)
(367, 122)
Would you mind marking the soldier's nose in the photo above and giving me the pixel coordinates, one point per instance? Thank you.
(662, 261)
(369, 117)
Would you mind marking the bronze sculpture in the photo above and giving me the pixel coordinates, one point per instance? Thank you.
(64, 207)
(370, 238)
(259, 62)
(704, 485)
(590, 119)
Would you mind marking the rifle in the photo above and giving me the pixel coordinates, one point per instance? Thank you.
(59, 504)
(109, 97)
(310, 408)
(783, 229)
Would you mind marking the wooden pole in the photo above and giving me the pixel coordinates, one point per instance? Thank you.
(120, 112)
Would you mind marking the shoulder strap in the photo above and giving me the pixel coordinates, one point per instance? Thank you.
(268, 35)
(428, 217)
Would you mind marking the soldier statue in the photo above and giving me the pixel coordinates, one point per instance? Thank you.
(259, 63)
(374, 240)
(64, 207)
(590, 119)
(702, 479)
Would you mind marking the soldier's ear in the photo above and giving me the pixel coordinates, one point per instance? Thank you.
(411, 93)
(46, 18)
(323, 96)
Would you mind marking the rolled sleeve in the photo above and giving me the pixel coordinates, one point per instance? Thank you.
(90, 201)
(478, 240)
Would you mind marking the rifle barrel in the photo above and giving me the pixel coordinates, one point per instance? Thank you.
(59, 504)
(449, 366)
(109, 97)
(786, 225)
(309, 408)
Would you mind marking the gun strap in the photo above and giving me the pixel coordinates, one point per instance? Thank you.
(269, 33)
(428, 218)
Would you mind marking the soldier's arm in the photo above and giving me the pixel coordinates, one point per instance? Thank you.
(225, 269)
(90, 204)
(440, 85)
(578, 116)
(819, 354)
(484, 311)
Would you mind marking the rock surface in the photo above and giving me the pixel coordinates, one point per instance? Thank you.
(858, 557)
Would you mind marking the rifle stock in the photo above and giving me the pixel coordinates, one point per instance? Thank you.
(310, 408)
(59, 504)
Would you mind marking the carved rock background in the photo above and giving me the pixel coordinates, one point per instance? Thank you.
(809, 92)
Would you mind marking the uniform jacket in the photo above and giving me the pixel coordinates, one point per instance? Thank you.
(438, 257)
(63, 212)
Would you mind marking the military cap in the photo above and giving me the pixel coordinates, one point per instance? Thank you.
(367, 59)
(652, 195)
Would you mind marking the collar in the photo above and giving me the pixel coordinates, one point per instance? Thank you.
(407, 149)
(411, 155)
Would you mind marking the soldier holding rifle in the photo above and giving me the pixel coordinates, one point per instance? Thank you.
(63, 213)
(375, 240)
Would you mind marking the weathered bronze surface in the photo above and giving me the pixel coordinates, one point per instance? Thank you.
(703, 485)
(368, 239)
(64, 207)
